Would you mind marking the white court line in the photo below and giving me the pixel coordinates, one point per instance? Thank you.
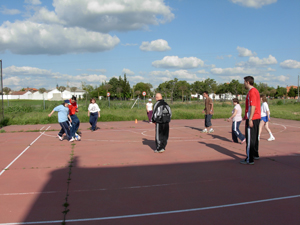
(23, 151)
(158, 213)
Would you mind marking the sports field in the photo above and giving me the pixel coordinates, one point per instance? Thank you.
(113, 176)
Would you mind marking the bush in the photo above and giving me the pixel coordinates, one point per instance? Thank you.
(279, 102)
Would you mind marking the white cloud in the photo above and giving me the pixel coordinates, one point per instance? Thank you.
(244, 52)
(11, 81)
(271, 78)
(128, 44)
(6, 11)
(180, 74)
(94, 78)
(176, 62)
(233, 71)
(290, 64)
(26, 70)
(33, 2)
(257, 62)
(105, 16)
(159, 45)
(33, 38)
(135, 79)
(202, 72)
(271, 69)
(127, 71)
(224, 56)
(253, 3)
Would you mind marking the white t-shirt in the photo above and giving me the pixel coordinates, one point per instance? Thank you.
(238, 116)
(264, 108)
(93, 108)
(149, 106)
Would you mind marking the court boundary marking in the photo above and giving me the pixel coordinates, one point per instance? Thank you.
(160, 213)
(23, 151)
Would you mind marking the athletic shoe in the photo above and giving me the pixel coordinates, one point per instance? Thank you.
(60, 138)
(243, 141)
(244, 162)
(256, 157)
(77, 138)
(204, 131)
(211, 130)
(271, 138)
(155, 151)
(161, 151)
(71, 140)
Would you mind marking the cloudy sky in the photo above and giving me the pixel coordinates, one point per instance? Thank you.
(44, 43)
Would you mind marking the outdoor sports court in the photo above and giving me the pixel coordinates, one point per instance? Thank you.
(116, 178)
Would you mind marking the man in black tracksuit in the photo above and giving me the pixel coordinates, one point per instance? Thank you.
(161, 117)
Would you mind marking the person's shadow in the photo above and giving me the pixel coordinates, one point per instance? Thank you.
(150, 143)
(220, 137)
(195, 128)
(223, 150)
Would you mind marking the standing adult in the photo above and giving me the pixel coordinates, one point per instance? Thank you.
(149, 108)
(73, 107)
(209, 111)
(252, 117)
(161, 117)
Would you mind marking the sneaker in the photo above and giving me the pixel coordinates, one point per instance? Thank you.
(243, 141)
(60, 138)
(204, 131)
(271, 138)
(77, 138)
(244, 162)
(155, 151)
(71, 140)
(161, 151)
(256, 157)
(211, 130)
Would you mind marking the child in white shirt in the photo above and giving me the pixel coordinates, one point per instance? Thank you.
(149, 108)
(236, 121)
(265, 117)
(93, 113)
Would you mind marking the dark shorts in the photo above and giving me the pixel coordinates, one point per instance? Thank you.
(208, 120)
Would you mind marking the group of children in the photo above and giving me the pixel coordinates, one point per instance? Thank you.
(68, 120)
(236, 118)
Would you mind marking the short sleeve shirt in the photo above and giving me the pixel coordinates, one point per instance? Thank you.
(264, 109)
(208, 104)
(253, 99)
(238, 116)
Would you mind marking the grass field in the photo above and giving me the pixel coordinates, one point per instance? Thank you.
(21, 112)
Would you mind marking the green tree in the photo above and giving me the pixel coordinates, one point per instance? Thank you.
(42, 90)
(292, 92)
(61, 88)
(115, 83)
(234, 87)
(280, 92)
(6, 90)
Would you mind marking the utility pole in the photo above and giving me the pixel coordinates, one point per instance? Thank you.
(2, 91)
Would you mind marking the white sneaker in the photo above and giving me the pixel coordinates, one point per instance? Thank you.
(204, 131)
(211, 130)
(71, 140)
(60, 138)
(271, 138)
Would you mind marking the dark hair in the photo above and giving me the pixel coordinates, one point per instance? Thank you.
(249, 79)
(73, 97)
(92, 100)
(205, 92)
(264, 98)
(236, 100)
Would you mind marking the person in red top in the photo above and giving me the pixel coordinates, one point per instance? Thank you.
(73, 108)
(252, 117)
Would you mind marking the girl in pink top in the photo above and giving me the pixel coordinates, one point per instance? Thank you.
(236, 118)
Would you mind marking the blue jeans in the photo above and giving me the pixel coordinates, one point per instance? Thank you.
(93, 120)
(208, 120)
(236, 133)
(75, 125)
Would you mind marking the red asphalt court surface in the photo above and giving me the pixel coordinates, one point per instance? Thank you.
(116, 177)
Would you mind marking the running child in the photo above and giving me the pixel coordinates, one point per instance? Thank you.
(236, 121)
(265, 117)
(63, 115)
(149, 108)
(93, 113)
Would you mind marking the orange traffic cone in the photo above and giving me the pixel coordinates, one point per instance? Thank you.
(135, 120)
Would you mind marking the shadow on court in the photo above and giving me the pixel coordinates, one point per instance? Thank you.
(150, 143)
(225, 151)
(98, 193)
